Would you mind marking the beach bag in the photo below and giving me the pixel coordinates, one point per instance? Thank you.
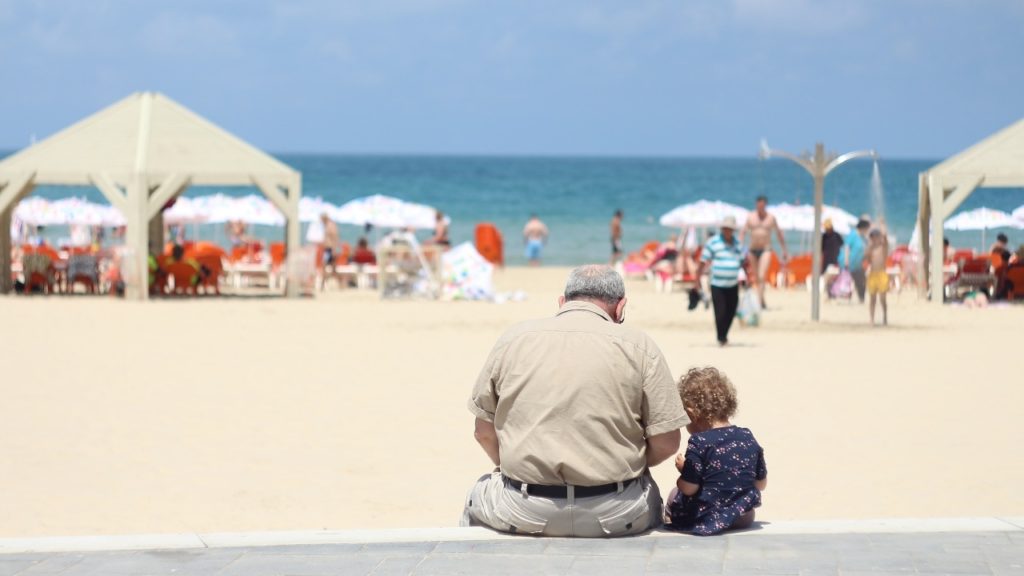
(749, 311)
(843, 285)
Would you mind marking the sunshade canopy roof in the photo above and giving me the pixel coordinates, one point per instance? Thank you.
(145, 133)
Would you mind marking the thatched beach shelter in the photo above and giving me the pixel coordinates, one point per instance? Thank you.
(142, 152)
(995, 162)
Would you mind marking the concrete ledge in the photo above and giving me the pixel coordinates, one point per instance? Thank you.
(455, 534)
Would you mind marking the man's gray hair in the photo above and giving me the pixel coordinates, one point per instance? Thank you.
(595, 282)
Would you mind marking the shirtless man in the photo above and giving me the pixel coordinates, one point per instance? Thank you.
(332, 240)
(535, 234)
(760, 225)
(616, 233)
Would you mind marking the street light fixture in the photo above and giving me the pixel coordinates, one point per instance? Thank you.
(818, 165)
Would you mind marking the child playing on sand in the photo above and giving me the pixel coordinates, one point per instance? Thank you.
(723, 472)
(878, 279)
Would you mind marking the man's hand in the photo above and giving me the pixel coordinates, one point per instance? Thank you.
(487, 437)
(661, 447)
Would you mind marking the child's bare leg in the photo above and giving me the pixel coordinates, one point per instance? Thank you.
(666, 517)
(885, 310)
(871, 307)
(744, 521)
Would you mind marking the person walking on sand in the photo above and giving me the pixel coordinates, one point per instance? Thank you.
(535, 234)
(855, 242)
(878, 278)
(573, 411)
(760, 223)
(722, 251)
(616, 233)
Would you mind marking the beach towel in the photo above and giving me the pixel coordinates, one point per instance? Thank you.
(842, 287)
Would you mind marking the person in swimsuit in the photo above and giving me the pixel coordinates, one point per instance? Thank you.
(616, 233)
(760, 225)
(878, 278)
(440, 231)
(535, 234)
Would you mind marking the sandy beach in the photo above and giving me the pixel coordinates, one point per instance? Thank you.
(346, 411)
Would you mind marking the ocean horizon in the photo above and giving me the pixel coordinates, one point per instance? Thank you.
(576, 195)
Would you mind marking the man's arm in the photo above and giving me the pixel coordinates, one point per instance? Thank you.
(487, 437)
(662, 446)
(782, 238)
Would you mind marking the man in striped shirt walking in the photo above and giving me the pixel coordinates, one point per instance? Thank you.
(724, 254)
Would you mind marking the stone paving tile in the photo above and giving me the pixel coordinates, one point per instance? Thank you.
(55, 564)
(291, 565)
(523, 545)
(151, 562)
(11, 565)
(299, 550)
(493, 565)
(601, 547)
(607, 566)
(401, 566)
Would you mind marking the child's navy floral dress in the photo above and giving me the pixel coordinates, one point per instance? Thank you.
(725, 462)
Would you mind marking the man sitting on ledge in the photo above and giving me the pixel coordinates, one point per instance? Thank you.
(573, 410)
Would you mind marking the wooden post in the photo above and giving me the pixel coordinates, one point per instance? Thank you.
(938, 216)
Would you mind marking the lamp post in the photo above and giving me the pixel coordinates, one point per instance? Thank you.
(818, 165)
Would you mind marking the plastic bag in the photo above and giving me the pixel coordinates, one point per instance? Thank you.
(842, 287)
(749, 311)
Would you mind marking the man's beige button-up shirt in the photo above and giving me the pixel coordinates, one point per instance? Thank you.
(574, 397)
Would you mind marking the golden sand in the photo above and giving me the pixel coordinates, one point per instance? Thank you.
(349, 412)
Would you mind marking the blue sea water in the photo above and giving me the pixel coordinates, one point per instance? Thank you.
(576, 197)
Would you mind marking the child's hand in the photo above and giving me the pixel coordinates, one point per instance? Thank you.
(680, 460)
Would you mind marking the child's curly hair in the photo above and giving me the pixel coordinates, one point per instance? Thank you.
(708, 394)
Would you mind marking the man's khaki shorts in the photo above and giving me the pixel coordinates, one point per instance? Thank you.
(494, 503)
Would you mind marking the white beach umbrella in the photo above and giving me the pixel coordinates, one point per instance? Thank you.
(37, 211)
(800, 218)
(185, 211)
(702, 213)
(1018, 214)
(981, 219)
(220, 208)
(310, 208)
(385, 212)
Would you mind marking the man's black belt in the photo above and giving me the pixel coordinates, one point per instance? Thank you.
(563, 491)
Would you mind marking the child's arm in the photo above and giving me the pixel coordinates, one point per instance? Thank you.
(687, 488)
(761, 472)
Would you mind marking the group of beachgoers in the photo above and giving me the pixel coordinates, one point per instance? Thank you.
(574, 410)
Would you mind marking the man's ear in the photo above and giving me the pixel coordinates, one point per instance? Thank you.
(561, 301)
(620, 308)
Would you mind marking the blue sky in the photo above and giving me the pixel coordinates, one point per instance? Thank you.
(911, 78)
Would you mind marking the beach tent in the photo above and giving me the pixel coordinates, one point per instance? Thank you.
(142, 152)
(995, 162)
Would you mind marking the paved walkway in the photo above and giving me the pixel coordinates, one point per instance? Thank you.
(998, 550)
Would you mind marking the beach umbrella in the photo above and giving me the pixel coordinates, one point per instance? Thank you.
(185, 211)
(982, 219)
(800, 218)
(310, 209)
(1018, 214)
(219, 208)
(67, 212)
(702, 213)
(385, 212)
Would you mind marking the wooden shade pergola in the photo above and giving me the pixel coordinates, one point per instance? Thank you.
(995, 162)
(142, 152)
